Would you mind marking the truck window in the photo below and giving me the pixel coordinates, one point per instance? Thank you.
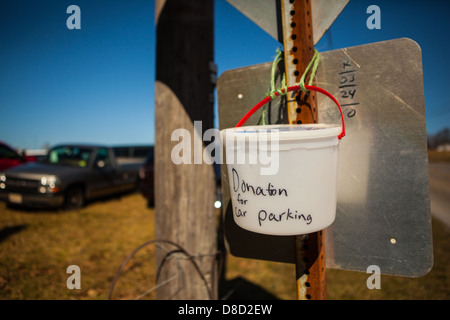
(70, 156)
(102, 159)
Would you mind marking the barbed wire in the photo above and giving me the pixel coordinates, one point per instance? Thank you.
(180, 250)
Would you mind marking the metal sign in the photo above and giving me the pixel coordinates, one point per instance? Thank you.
(383, 216)
(266, 14)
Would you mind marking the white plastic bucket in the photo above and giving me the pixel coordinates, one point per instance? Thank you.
(295, 196)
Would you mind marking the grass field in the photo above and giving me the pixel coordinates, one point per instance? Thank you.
(36, 247)
(434, 155)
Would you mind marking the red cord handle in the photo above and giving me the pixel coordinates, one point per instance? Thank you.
(289, 89)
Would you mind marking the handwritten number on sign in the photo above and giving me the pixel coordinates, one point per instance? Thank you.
(348, 86)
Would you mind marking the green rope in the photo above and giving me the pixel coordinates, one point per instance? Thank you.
(277, 60)
(271, 93)
(314, 63)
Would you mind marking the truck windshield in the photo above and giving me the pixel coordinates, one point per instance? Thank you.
(70, 156)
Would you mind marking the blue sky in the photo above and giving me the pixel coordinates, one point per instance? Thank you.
(96, 84)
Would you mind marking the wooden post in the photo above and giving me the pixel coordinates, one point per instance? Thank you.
(298, 52)
(184, 193)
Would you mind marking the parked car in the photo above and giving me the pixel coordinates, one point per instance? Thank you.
(10, 158)
(70, 175)
(146, 178)
(147, 181)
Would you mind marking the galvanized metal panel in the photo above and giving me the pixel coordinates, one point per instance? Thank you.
(324, 12)
(383, 216)
(261, 12)
(266, 15)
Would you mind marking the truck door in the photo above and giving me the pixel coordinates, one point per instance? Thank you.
(104, 173)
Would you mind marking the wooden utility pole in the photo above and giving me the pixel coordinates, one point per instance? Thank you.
(298, 52)
(184, 193)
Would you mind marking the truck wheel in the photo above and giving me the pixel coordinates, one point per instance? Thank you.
(74, 198)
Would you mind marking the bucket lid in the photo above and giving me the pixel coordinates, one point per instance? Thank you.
(287, 131)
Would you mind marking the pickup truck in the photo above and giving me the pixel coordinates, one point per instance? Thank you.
(68, 177)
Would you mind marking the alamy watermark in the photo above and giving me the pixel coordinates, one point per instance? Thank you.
(74, 280)
(374, 281)
(242, 147)
(74, 20)
(374, 20)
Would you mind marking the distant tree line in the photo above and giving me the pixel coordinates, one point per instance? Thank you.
(440, 138)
